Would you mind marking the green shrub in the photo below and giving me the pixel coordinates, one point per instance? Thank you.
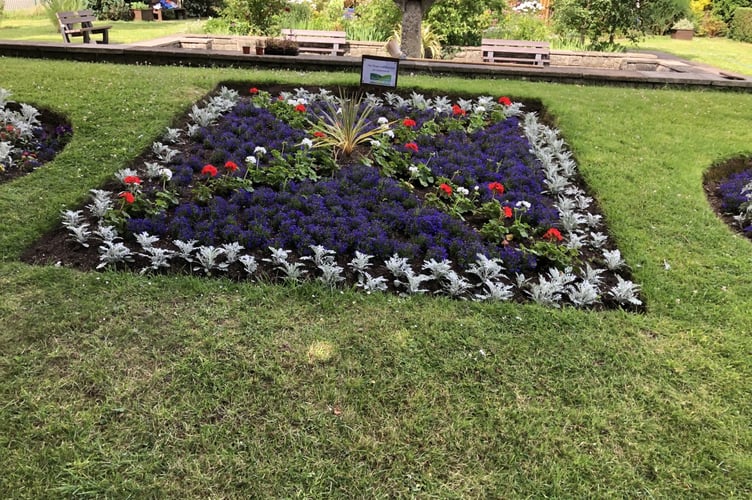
(725, 8)
(711, 25)
(463, 23)
(2, 9)
(201, 8)
(741, 25)
(520, 26)
(374, 20)
(114, 10)
(52, 7)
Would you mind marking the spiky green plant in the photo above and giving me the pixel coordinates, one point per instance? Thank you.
(344, 123)
(52, 7)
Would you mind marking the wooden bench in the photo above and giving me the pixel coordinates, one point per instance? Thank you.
(79, 23)
(318, 42)
(516, 52)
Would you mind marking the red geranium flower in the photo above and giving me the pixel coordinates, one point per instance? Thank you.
(505, 101)
(496, 187)
(127, 196)
(553, 234)
(209, 170)
(508, 212)
(412, 146)
(253, 90)
(132, 179)
(457, 110)
(408, 122)
(446, 188)
(231, 166)
(300, 108)
(319, 134)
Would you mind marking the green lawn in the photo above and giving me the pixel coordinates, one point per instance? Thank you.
(39, 29)
(718, 52)
(118, 385)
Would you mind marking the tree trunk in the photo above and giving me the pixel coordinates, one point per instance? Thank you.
(412, 18)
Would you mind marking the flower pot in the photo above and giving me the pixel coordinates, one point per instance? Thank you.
(682, 34)
(259, 51)
(246, 49)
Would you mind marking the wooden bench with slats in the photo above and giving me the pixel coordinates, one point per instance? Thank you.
(80, 23)
(317, 42)
(516, 52)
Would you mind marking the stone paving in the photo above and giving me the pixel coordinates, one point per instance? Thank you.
(642, 69)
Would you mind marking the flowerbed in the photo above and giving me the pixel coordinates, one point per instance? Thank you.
(735, 196)
(473, 198)
(28, 137)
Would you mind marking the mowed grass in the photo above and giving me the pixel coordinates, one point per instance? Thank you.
(116, 385)
(37, 28)
(717, 52)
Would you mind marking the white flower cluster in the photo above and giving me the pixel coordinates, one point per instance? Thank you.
(23, 121)
(484, 279)
(744, 217)
(528, 7)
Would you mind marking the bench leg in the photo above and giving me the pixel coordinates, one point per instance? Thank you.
(87, 37)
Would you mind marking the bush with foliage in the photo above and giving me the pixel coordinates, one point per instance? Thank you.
(711, 25)
(741, 25)
(374, 20)
(113, 10)
(725, 8)
(201, 8)
(257, 15)
(462, 22)
(2, 9)
(52, 7)
(600, 22)
(523, 23)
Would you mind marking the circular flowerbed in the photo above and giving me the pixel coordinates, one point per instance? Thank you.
(472, 198)
(28, 137)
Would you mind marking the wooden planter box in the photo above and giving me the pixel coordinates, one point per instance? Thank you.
(682, 34)
(143, 15)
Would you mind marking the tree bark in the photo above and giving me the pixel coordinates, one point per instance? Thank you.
(412, 19)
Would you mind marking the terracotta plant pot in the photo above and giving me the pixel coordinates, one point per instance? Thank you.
(259, 51)
(246, 49)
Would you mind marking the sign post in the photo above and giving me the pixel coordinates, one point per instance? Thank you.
(379, 71)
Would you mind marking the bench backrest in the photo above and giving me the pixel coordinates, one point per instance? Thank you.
(79, 17)
(314, 36)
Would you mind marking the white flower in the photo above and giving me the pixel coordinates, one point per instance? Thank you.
(412, 169)
(389, 133)
(375, 143)
(259, 150)
(165, 173)
(382, 121)
(476, 188)
(250, 160)
(306, 142)
(462, 191)
(480, 109)
(523, 204)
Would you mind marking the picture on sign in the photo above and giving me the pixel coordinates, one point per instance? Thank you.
(380, 71)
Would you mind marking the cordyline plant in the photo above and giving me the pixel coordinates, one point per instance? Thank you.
(344, 124)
